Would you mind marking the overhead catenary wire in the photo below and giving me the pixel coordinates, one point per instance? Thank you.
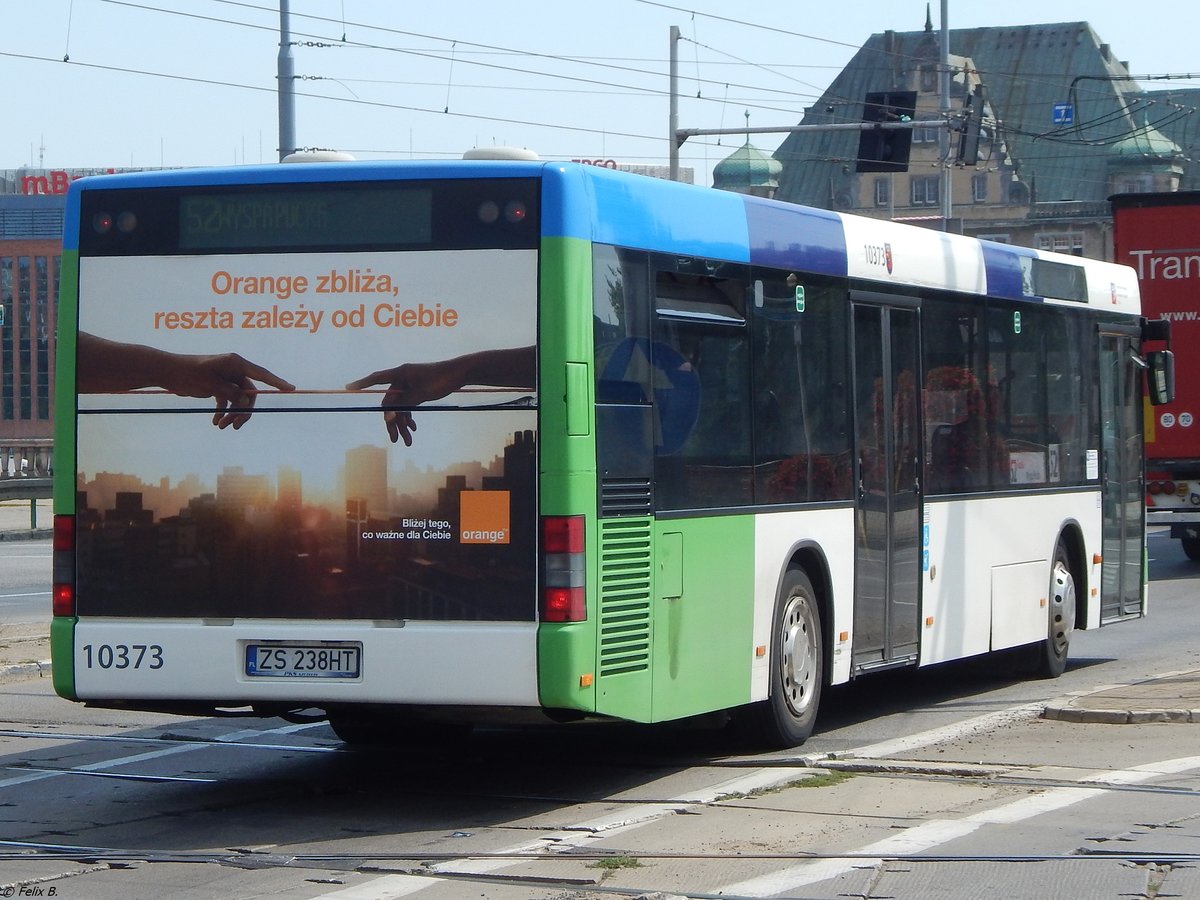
(478, 54)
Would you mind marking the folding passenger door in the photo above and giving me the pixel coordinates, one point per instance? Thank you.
(887, 414)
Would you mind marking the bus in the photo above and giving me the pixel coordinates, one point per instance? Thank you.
(418, 445)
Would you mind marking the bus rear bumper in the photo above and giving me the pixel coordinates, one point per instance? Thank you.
(140, 663)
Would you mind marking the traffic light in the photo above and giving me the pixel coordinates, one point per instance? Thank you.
(886, 149)
(968, 141)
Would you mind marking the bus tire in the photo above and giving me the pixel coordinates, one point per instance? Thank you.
(1052, 653)
(797, 660)
(1191, 547)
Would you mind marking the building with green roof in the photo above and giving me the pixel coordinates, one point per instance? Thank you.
(1064, 126)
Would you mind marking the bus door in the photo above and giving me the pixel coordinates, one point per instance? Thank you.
(1123, 526)
(887, 414)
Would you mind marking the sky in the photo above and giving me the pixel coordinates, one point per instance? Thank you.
(115, 83)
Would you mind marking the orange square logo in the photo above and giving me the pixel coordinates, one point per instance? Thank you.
(483, 517)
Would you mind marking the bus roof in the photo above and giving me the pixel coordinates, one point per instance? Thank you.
(607, 206)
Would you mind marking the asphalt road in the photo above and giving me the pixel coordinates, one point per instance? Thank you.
(25, 581)
(930, 781)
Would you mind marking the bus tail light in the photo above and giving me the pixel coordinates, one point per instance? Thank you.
(563, 598)
(63, 597)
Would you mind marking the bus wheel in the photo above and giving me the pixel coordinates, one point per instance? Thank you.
(787, 716)
(1052, 658)
(1191, 547)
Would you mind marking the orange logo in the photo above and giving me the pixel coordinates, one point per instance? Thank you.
(483, 517)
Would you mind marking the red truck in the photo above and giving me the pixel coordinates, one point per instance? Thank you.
(1158, 235)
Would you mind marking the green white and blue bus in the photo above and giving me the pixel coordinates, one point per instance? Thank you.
(420, 444)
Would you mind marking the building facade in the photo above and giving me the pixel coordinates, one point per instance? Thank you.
(1063, 127)
(31, 217)
(32, 202)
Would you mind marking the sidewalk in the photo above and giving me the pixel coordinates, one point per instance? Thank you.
(25, 646)
(15, 520)
(1170, 697)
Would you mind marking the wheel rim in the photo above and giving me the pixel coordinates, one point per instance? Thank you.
(1062, 607)
(798, 658)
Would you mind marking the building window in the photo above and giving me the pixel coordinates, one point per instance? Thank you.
(929, 79)
(979, 188)
(995, 238)
(926, 190)
(1018, 193)
(925, 134)
(1134, 184)
(883, 191)
(1064, 242)
(8, 347)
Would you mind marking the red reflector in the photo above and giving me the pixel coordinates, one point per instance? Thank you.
(63, 603)
(64, 533)
(563, 605)
(562, 534)
(63, 590)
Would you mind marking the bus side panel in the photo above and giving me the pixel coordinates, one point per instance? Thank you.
(703, 615)
(971, 559)
(64, 386)
(567, 476)
(62, 655)
(62, 628)
(777, 537)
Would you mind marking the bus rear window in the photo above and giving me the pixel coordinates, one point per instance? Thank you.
(451, 214)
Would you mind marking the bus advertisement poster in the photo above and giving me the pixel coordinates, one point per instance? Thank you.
(320, 503)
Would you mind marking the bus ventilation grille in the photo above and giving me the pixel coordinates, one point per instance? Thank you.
(625, 560)
(625, 497)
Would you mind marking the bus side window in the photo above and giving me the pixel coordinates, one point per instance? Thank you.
(701, 355)
(620, 331)
(962, 448)
(801, 409)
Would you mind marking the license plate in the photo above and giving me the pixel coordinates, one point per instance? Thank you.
(304, 660)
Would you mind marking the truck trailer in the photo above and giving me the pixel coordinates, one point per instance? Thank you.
(1158, 234)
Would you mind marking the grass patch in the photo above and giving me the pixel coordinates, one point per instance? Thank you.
(824, 779)
(612, 863)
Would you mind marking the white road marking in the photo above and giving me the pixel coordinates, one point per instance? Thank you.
(385, 888)
(919, 838)
(935, 832)
(106, 764)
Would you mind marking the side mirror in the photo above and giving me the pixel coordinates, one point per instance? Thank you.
(1161, 376)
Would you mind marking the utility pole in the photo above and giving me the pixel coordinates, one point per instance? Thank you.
(673, 134)
(944, 109)
(287, 84)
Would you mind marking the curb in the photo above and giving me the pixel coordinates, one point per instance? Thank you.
(1128, 703)
(29, 534)
(1121, 716)
(23, 670)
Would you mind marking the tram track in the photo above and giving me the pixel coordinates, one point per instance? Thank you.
(423, 865)
(606, 817)
(983, 774)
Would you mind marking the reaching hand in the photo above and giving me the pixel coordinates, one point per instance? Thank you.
(411, 384)
(226, 377)
(104, 366)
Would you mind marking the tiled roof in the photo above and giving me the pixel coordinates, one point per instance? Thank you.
(1027, 70)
